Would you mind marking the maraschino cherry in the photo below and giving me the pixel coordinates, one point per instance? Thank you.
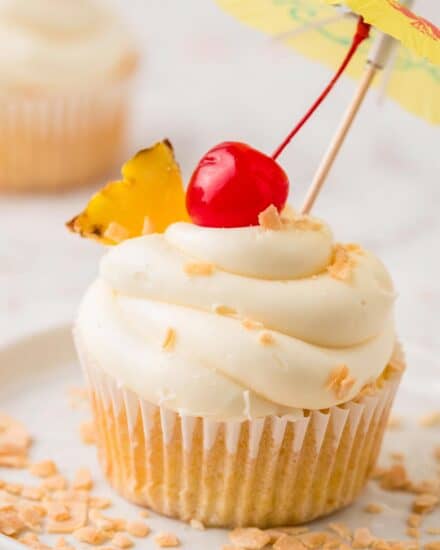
(232, 184)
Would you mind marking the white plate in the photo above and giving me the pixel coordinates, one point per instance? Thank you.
(36, 372)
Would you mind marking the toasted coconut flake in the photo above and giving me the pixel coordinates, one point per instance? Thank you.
(342, 264)
(62, 544)
(167, 540)
(251, 538)
(55, 483)
(413, 532)
(45, 468)
(249, 324)
(116, 233)
(340, 529)
(433, 530)
(395, 478)
(138, 529)
(270, 219)
(362, 538)
(424, 504)
(196, 524)
(11, 524)
(122, 541)
(373, 508)
(434, 545)
(91, 535)
(13, 488)
(169, 339)
(87, 432)
(14, 438)
(414, 520)
(199, 268)
(58, 511)
(29, 539)
(32, 515)
(340, 382)
(83, 480)
(287, 542)
(266, 338)
(32, 493)
(223, 310)
(13, 461)
(314, 540)
(430, 420)
(77, 518)
(100, 503)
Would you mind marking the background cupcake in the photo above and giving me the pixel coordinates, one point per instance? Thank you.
(65, 72)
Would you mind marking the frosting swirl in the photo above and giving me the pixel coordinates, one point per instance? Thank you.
(57, 44)
(259, 326)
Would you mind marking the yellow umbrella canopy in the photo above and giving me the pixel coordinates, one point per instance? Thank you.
(318, 30)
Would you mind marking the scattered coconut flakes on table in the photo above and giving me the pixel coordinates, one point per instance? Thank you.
(166, 540)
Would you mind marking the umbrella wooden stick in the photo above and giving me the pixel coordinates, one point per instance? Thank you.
(377, 60)
(338, 139)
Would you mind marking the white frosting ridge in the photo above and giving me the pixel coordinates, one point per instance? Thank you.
(217, 367)
(53, 44)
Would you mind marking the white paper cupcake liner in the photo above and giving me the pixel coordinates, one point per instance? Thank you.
(264, 472)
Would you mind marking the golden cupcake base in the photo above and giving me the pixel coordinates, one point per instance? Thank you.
(52, 143)
(265, 472)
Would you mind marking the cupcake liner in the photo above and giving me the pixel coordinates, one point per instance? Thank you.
(53, 141)
(277, 470)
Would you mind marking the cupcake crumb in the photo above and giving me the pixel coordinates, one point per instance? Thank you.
(286, 542)
(270, 219)
(77, 518)
(166, 540)
(199, 268)
(55, 483)
(413, 532)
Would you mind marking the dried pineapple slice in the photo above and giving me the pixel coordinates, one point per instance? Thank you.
(148, 199)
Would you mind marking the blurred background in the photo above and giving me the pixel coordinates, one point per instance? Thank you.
(204, 78)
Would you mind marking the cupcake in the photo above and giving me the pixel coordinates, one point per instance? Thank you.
(239, 376)
(65, 79)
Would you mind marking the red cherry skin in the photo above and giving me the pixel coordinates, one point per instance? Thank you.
(232, 184)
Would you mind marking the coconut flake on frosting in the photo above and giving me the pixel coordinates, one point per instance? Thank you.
(273, 282)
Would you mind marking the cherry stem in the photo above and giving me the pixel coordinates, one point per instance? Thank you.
(362, 32)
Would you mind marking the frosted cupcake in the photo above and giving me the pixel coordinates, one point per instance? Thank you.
(239, 376)
(65, 77)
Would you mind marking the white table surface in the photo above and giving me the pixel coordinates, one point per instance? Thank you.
(206, 78)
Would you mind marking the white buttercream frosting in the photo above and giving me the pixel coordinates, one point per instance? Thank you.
(217, 366)
(53, 44)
